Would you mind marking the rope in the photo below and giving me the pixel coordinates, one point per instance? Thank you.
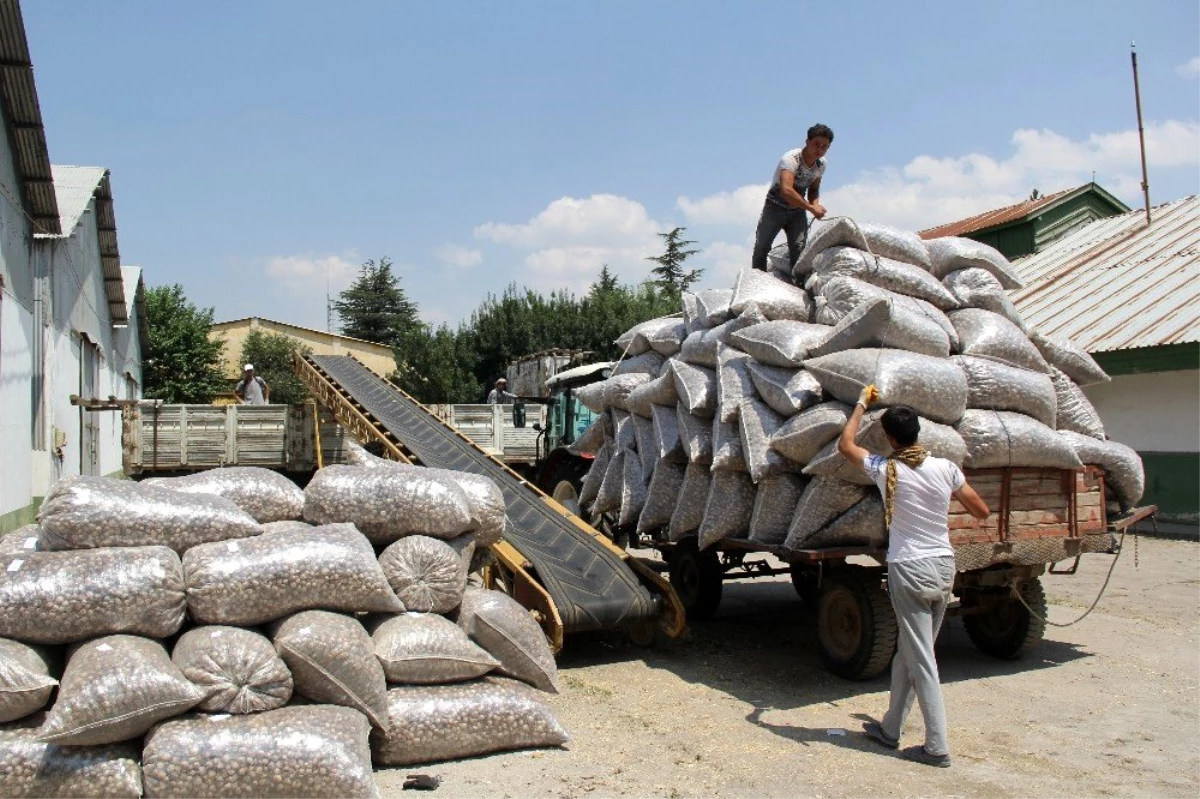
(1103, 588)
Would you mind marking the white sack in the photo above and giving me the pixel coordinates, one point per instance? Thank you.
(786, 391)
(729, 508)
(775, 298)
(990, 335)
(897, 276)
(802, 437)
(979, 288)
(1124, 473)
(951, 253)
(1075, 410)
(1003, 438)
(1072, 359)
(774, 506)
(266, 495)
(782, 343)
(996, 386)
(693, 496)
(933, 387)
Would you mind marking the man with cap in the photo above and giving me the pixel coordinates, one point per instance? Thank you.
(795, 189)
(499, 396)
(252, 390)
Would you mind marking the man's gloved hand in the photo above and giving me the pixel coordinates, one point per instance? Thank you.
(869, 395)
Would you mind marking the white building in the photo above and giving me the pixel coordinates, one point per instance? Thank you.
(69, 314)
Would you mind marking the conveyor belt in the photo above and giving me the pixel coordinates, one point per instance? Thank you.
(592, 587)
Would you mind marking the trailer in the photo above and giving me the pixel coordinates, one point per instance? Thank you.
(1040, 518)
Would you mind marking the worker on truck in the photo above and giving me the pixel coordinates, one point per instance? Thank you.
(499, 395)
(916, 489)
(251, 389)
(795, 189)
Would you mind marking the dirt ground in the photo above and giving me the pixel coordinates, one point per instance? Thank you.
(742, 707)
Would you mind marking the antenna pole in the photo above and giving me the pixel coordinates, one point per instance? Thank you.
(1137, 95)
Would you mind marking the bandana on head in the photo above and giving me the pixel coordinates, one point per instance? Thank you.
(912, 456)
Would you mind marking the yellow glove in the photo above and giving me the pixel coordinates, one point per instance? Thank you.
(869, 395)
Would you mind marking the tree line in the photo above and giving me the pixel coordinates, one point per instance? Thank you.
(436, 364)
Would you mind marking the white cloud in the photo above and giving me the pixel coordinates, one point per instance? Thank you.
(299, 283)
(931, 190)
(572, 238)
(721, 262)
(458, 256)
(1189, 69)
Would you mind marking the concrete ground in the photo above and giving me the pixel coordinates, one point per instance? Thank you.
(742, 707)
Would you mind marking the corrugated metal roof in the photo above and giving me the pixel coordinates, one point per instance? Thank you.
(1000, 216)
(23, 118)
(76, 187)
(1116, 284)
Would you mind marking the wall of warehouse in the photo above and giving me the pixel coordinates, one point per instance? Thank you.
(16, 335)
(376, 357)
(1158, 414)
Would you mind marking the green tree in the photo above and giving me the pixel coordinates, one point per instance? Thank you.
(271, 355)
(671, 277)
(375, 307)
(181, 364)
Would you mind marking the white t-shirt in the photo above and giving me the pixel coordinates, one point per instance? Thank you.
(793, 162)
(252, 391)
(919, 525)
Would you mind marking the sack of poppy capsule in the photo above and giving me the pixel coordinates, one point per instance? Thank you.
(939, 440)
(779, 262)
(697, 387)
(499, 624)
(426, 574)
(431, 723)
(756, 424)
(20, 541)
(774, 506)
(712, 306)
(881, 240)
(802, 437)
(636, 340)
(1072, 359)
(786, 391)
(238, 669)
(1001, 438)
(633, 489)
(733, 382)
(782, 343)
(728, 453)
(63, 597)
(608, 498)
(668, 445)
(933, 387)
(90, 512)
(824, 500)
(29, 767)
(659, 391)
(592, 439)
(1074, 410)
(647, 446)
(266, 495)
(618, 388)
(258, 580)
(729, 508)
(592, 396)
(26, 679)
(860, 526)
(624, 433)
(775, 298)
(979, 288)
(996, 386)
(1123, 470)
(116, 688)
(693, 496)
(700, 347)
(696, 435)
(302, 751)
(332, 659)
(951, 253)
(667, 339)
(649, 363)
(990, 335)
(590, 488)
(425, 648)
(841, 295)
(388, 504)
(485, 502)
(882, 322)
(661, 496)
(692, 320)
(897, 276)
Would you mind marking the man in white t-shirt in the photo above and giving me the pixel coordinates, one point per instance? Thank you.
(251, 389)
(795, 188)
(916, 488)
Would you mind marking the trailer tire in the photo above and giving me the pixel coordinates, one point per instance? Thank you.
(805, 580)
(696, 577)
(856, 626)
(1007, 631)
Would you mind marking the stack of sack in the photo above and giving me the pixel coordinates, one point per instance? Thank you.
(226, 634)
(722, 422)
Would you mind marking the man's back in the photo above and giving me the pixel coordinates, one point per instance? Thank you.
(920, 507)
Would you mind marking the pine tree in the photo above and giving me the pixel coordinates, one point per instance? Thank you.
(670, 275)
(375, 307)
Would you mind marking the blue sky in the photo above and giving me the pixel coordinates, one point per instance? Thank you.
(261, 149)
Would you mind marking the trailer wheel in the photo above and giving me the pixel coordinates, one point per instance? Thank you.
(856, 627)
(1007, 630)
(696, 576)
(804, 580)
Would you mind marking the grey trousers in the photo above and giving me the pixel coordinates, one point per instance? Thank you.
(793, 223)
(920, 591)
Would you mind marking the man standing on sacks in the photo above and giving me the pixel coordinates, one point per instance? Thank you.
(795, 188)
(916, 489)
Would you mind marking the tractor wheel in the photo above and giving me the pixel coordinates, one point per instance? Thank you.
(1007, 630)
(696, 576)
(856, 626)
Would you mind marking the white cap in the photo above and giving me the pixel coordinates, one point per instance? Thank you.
(248, 367)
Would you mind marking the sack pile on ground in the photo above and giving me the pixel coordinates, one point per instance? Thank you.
(735, 435)
(157, 640)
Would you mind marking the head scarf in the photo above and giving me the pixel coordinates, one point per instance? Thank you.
(913, 456)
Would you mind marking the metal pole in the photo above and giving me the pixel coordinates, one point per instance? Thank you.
(1137, 95)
